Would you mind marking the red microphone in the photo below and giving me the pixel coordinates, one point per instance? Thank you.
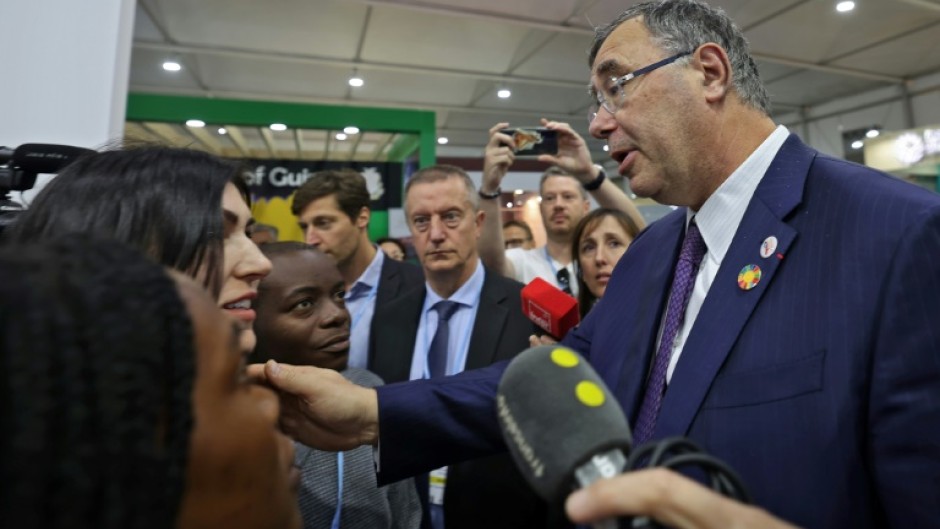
(549, 308)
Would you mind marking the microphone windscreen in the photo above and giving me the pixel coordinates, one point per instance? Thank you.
(549, 308)
(555, 413)
(43, 158)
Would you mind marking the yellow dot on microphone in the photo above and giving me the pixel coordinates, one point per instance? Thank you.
(564, 357)
(589, 393)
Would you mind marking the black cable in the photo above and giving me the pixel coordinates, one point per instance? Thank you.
(676, 452)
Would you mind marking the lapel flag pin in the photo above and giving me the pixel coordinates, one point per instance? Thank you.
(768, 247)
(749, 277)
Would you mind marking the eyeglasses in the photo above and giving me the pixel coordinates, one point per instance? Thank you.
(564, 280)
(613, 96)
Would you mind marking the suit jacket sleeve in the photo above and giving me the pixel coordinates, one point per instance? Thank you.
(431, 423)
(905, 394)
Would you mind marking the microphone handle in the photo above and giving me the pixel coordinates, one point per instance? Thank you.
(604, 465)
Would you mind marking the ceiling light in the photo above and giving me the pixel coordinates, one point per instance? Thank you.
(845, 7)
(351, 130)
(606, 148)
(872, 133)
(858, 144)
(442, 140)
(503, 93)
(356, 81)
(341, 136)
(518, 192)
(195, 123)
(223, 131)
(278, 127)
(172, 66)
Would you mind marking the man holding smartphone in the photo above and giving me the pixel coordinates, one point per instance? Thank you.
(564, 192)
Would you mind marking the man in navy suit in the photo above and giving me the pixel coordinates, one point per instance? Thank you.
(807, 355)
(443, 212)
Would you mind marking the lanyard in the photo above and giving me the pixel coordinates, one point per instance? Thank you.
(551, 262)
(339, 490)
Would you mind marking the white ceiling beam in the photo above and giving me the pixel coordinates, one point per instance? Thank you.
(235, 134)
(206, 138)
(268, 138)
(298, 143)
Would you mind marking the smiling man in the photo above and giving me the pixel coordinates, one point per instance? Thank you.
(302, 319)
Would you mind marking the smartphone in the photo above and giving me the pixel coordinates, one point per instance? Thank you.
(531, 141)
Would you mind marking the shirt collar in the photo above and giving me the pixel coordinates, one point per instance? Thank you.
(720, 215)
(468, 295)
(370, 276)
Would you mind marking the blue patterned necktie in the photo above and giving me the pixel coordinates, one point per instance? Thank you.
(437, 353)
(690, 257)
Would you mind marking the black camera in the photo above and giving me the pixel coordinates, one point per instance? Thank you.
(19, 168)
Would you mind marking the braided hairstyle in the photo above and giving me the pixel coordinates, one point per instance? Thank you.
(96, 377)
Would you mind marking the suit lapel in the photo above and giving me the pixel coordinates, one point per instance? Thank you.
(488, 326)
(395, 339)
(727, 307)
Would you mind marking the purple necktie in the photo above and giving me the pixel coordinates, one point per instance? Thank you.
(690, 257)
(437, 353)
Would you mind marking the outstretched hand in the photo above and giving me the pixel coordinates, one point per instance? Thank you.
(667, 497)
(319, 407)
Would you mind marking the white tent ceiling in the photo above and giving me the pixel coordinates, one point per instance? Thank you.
(450, 56)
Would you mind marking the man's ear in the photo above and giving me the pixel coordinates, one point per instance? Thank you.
(712, 60)
(362, 220)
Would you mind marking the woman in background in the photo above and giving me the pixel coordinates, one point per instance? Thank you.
(185, 209)
(599, 241)
(123, 400)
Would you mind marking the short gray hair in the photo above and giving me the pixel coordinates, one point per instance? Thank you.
(682, 25)
(437, 173)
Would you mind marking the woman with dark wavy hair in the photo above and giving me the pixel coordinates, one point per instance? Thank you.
(123, 401)
(185, 209)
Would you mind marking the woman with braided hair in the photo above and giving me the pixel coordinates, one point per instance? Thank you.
(185, 209)
(123, 400)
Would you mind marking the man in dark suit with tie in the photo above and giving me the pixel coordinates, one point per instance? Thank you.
(332, 208)
(784, 317)
(463, 317)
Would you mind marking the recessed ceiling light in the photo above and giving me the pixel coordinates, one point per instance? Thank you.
(845, 7)
(872, 133)
(351, 130)
(356, 81)
(442, 140)
(858, 144)
(195, 123)
(341, 136)
(503, 93)
(223, 131)
(278, 127)
(172, 66)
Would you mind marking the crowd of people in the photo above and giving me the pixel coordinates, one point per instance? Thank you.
(782, 318)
